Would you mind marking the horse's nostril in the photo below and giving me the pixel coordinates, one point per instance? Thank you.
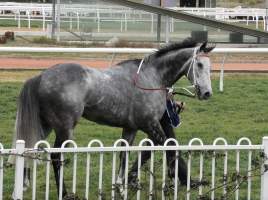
(207, 95)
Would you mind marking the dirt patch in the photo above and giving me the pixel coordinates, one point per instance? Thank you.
(44, 63)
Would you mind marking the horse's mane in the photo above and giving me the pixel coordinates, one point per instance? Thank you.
(187, 43)
(136, 61)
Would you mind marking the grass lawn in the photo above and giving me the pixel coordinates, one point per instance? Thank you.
(240, 111)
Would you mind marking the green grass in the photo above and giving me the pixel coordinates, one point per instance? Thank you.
(240, 111)
(24, 23)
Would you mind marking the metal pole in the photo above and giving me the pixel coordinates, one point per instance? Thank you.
(19, 24)
(58, 20)
(152, 23)
(167, 29)
(222, 73)
(1, 173)
(158, 27)
(159, 23)
(266, 17)
(44, 18)
(53, 19)
(197, 3)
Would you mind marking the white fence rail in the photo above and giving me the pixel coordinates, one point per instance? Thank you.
(117, 50)
(243, 164)
(129, 51)
(75, 12)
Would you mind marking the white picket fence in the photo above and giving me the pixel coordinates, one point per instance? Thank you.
(243, 145)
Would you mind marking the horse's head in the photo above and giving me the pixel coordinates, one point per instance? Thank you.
(198, 72)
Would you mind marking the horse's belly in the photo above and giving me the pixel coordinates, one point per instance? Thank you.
(101, 116)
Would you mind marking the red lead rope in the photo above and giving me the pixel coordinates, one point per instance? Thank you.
(135, 81)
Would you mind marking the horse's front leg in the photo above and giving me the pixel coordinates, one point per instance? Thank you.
(171, 155)
(133, 174)
(158, 136)
(155, 132)
(129, 136)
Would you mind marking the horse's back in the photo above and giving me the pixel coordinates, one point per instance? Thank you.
(63, 74)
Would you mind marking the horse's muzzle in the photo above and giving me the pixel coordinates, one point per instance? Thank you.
(207, 95)
(203, 95)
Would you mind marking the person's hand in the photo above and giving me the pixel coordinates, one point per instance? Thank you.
(180, 106)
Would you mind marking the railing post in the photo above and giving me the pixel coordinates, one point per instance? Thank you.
(1, 172)
(264, 178)
(18, 185)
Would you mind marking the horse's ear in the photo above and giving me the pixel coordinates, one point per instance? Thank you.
(206, 49)
(203, 46)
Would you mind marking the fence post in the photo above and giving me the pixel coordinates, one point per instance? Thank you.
(222, 72)
(264, 178)
(18, 185)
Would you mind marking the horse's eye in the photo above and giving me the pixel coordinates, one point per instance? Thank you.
(200, 65)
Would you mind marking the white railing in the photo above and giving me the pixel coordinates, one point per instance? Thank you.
(195, 145)
(129, 51)
(73, 13)
(117, 50)
(237, 14)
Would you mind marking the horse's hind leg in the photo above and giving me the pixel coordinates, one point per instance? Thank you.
(61, 136)
(27, 169)
(128, 135)
(146, 155)
(158, 136)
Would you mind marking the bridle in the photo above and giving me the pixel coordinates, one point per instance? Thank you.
(193, 65)
(168, 89)
(194, 81)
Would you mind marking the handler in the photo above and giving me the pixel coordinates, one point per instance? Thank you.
(169, 121)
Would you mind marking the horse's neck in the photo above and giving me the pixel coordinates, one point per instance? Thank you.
(173, 66)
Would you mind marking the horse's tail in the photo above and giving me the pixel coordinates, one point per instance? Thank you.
(28, 125)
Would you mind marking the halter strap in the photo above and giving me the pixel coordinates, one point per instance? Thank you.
(192, 65)
(135, 81)
(140, 66)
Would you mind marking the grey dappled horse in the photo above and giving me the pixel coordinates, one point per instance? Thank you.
(131, 95)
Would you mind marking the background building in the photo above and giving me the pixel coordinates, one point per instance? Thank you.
(182, 3)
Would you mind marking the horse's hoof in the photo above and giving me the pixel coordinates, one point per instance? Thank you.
(133, 181)
(132, 177)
